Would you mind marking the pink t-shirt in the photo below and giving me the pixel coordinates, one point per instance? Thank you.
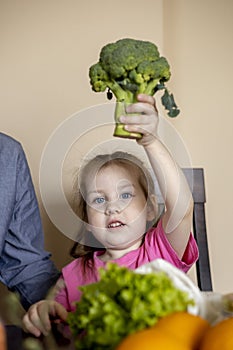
(155, 246)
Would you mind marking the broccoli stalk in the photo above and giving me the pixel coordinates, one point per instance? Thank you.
(129, 67)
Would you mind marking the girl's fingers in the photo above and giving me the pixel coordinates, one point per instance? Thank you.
(37, 319)
(142, 108)
(59, 311)
(147, 99)
(136, 119)
(31, 327)
(43, 313)
(38, 316)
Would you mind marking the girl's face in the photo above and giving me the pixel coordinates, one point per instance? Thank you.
(116, 207)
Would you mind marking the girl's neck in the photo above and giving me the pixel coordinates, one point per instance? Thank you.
(114, 254)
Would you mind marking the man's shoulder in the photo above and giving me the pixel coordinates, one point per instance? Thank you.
(9, 142)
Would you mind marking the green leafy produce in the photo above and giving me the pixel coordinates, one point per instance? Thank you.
(121, 303)
(129, 67)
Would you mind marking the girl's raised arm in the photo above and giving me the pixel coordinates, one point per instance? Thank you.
(177, 219)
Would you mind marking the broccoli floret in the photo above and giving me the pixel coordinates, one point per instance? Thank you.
(129, 67)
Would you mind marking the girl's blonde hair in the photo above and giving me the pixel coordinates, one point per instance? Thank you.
(86, 243)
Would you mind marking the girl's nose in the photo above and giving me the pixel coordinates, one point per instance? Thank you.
(112, 208)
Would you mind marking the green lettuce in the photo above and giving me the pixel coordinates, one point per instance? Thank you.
(122, 302)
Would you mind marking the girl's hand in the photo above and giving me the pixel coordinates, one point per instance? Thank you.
(145, 120)
(37, 319)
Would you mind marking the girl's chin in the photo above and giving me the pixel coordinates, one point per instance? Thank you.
(123, 245)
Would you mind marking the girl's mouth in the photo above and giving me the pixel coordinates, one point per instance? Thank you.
(115, 224)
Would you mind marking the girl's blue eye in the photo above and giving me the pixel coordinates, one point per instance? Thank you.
(99, 200)
(126, 195)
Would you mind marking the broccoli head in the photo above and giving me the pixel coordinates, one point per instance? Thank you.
(129, 67)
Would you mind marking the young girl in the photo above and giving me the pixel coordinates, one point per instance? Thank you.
(117, 202)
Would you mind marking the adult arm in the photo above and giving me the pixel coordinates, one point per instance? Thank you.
(25, 266)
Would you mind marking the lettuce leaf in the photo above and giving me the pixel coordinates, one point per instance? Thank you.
(122, 302)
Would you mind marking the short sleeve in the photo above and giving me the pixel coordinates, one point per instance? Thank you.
(158, 245)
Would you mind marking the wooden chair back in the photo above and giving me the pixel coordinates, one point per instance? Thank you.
(196, 181)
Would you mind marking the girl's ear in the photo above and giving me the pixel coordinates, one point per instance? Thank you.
(152, 208)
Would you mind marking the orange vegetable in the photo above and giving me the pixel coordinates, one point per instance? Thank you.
(219, 336)
(3, 345)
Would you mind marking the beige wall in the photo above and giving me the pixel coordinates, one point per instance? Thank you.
(47, 48)
(197, 38)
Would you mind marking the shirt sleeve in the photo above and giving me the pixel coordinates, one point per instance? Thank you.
(61, 295)
(67, 291)
(158, 244)
(25, 266)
